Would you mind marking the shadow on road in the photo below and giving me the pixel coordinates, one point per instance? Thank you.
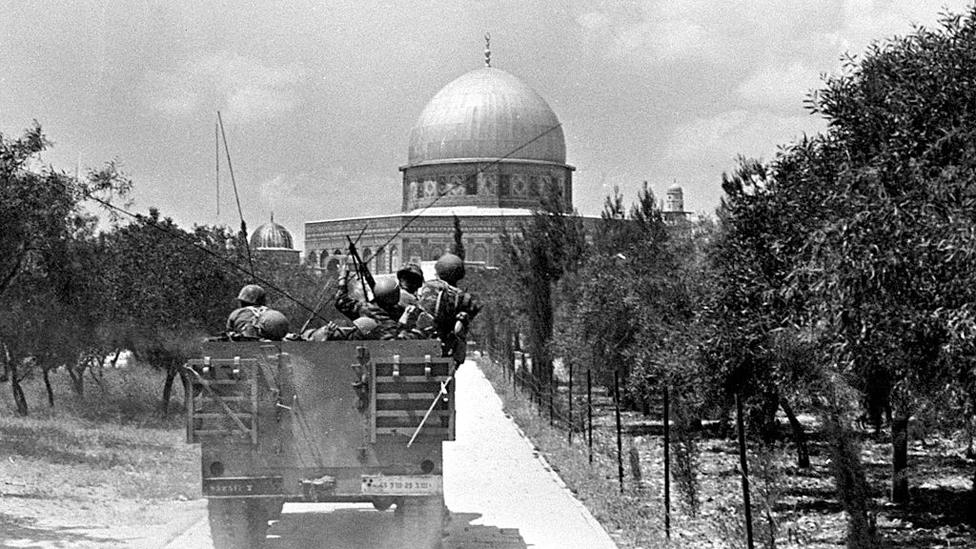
(20, 533)
(461, 533)
(363, 527)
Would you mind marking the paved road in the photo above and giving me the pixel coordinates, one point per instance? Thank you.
(500, 494)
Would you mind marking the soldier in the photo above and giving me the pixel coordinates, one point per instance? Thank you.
(241, 322)
(451, 308)
(410, 278)
(253, 320)
(362, 328)
(384, 308)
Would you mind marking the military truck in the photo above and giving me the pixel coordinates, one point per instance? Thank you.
(333, 421)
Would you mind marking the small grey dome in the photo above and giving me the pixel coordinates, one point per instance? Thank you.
(271, 235)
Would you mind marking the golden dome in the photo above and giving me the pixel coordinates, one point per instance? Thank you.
(487, 113)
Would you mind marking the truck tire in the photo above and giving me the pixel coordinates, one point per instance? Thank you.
(238, 523)
(274, 507)
(421, 521)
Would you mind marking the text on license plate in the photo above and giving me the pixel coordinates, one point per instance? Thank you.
(242, 486)
(402, 485)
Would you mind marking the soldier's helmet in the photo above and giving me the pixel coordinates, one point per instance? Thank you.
(252, 294)
(386, 293)
(412, 275)
(272, 324)
(366, 326)
(449, 268)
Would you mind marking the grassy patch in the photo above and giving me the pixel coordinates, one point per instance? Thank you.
(108, 443)
(125, 396)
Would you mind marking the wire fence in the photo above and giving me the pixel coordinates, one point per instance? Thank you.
(588, 412)
(571, 402)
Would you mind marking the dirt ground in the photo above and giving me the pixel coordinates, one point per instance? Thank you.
(70, 499)
(97, 470)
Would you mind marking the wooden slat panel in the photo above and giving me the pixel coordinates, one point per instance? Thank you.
(410, 404)
(222, 432)
(386, 370)
(430, 388)
(413, 414)
(427, 431)
(443, 421)
(402, 396)
(223, 362)
(209, 398)
(414, 359)
(411, 379)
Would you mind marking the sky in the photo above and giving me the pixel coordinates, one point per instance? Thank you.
(318, 97)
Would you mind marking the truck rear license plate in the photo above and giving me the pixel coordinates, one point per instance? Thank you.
(236, 487)
(402, 485)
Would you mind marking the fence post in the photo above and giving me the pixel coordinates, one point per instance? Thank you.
(744, 465)
(552, 385)
(667, 462)
(589, 415)
(514, 375)
(620, 445)
(571, 424)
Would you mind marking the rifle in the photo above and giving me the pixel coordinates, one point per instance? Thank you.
(326, 291)
(365, 277)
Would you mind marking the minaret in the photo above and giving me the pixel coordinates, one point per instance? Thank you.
(487, 49)
(676, 199)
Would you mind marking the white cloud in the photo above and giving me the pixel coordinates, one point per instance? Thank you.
(645, 32)
(720, 138)
(865, 22)
(651, 31)
(244, 88)
(781, 87)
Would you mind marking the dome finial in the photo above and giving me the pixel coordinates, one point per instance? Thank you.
(487, 49)
(272, 216)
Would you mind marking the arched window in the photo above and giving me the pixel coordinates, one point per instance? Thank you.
(366, 254)
(380, 262)
(415, 255)
(311, 258)
(480, 254)
(394, 259)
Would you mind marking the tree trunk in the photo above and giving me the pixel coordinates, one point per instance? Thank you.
(47, 385)
(852, 488)
(972, 504)
(799, 436)
(899, 460)
(77, 381)
(168, 388)
(19, 397)
(770, 429)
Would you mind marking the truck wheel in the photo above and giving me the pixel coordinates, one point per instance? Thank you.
(273, 508)
(421, 522)
(238, 523)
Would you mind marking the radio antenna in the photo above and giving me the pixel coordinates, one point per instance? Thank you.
(237, 196)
